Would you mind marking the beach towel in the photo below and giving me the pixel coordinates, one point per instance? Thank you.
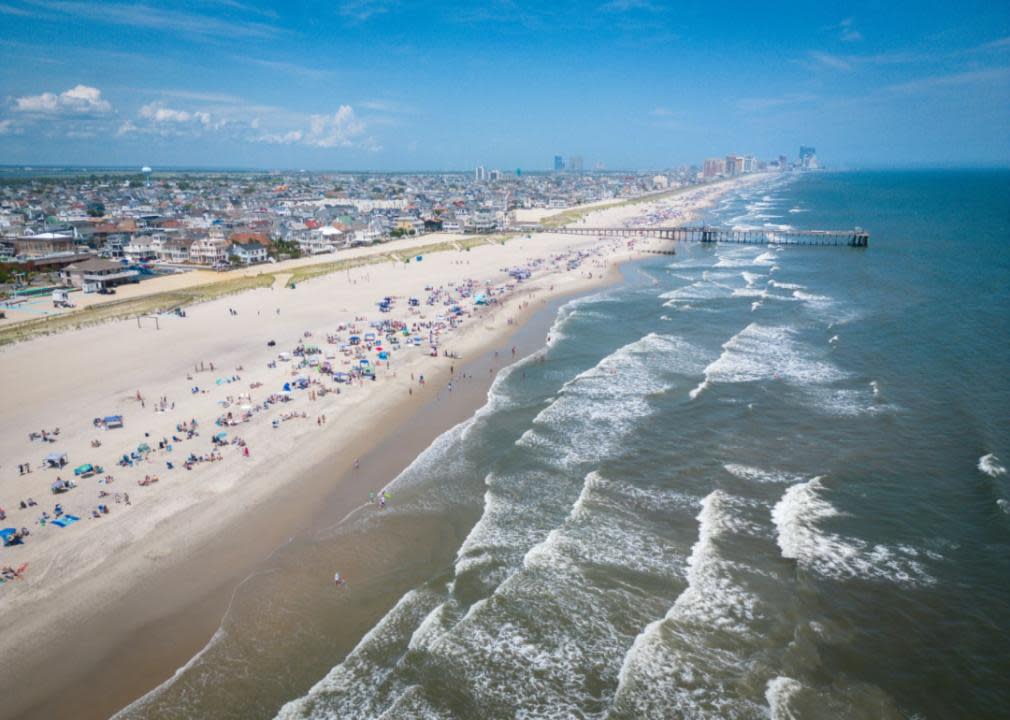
(6, 533)
(65, 520)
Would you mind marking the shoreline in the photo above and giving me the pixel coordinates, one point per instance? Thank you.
(396, 450)
(176, 568)
(125, 643)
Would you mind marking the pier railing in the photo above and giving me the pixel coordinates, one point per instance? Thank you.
(856, 237)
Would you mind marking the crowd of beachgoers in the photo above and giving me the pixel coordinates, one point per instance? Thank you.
(346, 357)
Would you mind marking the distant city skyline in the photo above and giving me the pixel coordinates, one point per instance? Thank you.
(387, 85)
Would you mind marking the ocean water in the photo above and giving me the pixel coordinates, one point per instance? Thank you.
(747, 482)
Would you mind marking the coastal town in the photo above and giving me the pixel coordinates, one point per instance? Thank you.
(94, 231)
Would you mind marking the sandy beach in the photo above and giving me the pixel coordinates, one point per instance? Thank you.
(185, 516)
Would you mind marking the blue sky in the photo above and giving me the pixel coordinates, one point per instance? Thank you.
(387, 84)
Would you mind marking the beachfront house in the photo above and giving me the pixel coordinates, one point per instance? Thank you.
(483, 221)
(209, 251)
(97, 274)
(140, 248)
(174, 250)
(320, 240)
(249, 253)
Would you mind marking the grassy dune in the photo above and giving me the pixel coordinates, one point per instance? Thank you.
(171, 299)
(131, 307)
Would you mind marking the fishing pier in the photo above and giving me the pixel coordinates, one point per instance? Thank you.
(856, 237)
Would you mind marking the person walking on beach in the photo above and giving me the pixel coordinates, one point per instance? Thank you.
(337, 580)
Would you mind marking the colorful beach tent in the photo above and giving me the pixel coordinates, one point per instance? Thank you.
(84, 469)
(113, 421)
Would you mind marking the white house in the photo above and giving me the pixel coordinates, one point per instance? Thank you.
(174, 250)
(139, 248)
(209, 251)
(320, 240)
(250, 252)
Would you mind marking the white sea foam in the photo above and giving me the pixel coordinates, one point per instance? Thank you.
(991, 466)
(597, 408)
(786, 286)
(734, 262)
(701, 387)
(812, 298)
(760, 352)
(349, 688)
(700, 290)
(670, 669)
(799, 515)
(766, 258)
(779, 693)
(753, 474)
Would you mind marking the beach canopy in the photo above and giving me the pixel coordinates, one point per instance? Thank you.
(82, 469)
(112, 421)
(56, 458)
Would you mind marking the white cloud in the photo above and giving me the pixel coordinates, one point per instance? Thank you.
(281, 138)
(5, 127)
(627, 6)
(156, 112)
(997, 76)
(361, 10)
(6, 9)
(161, 19)
(832, 61)
(1001, 43)
(80, 99)
(126, 128)
(341, 129)
(337, 130)
(766, 103)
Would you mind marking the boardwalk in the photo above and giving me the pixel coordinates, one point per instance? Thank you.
(852, 238)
